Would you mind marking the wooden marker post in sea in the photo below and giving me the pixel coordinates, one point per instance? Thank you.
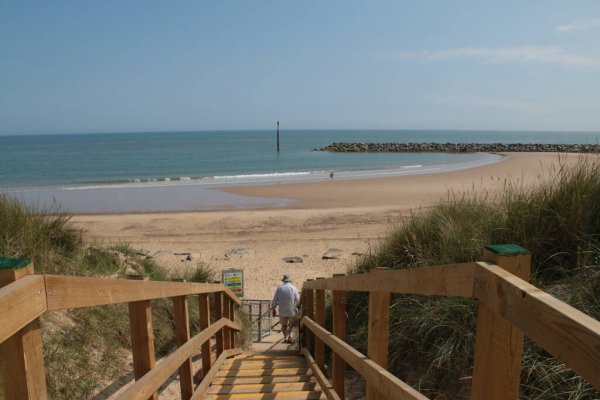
(278, 136)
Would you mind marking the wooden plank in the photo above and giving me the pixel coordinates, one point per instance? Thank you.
(499, 344)
(65, 292)
(310, 313)
(339, 330)
(264, 364)
(204, 308)
(232, 317)
(263, 379)
(142, 340)
(320, 318)
(210, 375)
(378, 332)
(443, 280)
(22, 372)
(226, 314)
(263, 372)
(568, 334)
(296, 395)
(182, 335)
(325, 385)
(388, 385)
(218, 297)
(149, 383)
(261, 387)
(21, 302)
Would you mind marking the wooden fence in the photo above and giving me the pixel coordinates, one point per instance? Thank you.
(24, 297)
(508, 309)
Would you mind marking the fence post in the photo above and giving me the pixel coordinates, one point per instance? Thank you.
(22, 374)
(320, 319)
(232, 340)
(204, 308)
(308, 311)
(218, 316)
(226, 335)
(142, 337)
(378, 336)
(499, 344)
(339, 330)
(182, 335)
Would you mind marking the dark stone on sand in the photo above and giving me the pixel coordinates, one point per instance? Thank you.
(293, 260)
(332, 254)
(238, 251)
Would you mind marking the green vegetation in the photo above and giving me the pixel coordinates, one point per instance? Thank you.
(86, 348)
(432, 338)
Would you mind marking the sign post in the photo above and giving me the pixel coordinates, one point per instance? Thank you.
(233, 279)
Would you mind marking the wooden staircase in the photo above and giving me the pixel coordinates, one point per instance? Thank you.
(265, 376)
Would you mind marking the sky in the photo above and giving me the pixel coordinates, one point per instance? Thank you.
(120, 66)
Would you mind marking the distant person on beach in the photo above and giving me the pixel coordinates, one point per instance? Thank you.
(331, 175)
(287, 298)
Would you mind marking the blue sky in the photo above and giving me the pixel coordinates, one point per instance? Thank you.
(111, 66)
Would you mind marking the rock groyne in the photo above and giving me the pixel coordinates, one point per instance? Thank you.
(459, 148)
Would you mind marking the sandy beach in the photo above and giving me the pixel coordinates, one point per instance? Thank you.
(351, 216)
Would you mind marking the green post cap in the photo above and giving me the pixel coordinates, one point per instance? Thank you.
(506, 249)
(14, 263)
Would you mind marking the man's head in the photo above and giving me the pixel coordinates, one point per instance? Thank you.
(286, 279)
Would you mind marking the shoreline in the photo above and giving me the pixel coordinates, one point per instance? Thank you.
(212, 194)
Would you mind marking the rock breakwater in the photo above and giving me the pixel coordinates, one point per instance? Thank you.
(459, 148)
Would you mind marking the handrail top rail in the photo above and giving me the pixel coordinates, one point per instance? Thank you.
(65, 292)
(439, 280)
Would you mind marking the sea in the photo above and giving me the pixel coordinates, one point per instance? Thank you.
(166, 171)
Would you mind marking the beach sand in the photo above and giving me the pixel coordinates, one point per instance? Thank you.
(349, 215)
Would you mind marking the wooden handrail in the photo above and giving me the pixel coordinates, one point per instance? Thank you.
(25, 297)
(570, 335)
(443, 280)
(20, 303)
(66, 292)
(150, 382)
(516, 308)
(386, 383)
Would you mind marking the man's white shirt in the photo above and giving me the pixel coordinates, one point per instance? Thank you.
(287, 297)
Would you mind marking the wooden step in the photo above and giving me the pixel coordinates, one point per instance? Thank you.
(262, 388)
(262, 372)
(263, 379)
(264, 364)
(258, 357)
(300, 395)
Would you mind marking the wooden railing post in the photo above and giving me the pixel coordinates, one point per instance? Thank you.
(308, 311)
(232, 340)
(226, 334)
(378, 332)
(182, 335)
(218, 316)
(499, 344)
(320, 319)
(204, 308)
(142, 337)
(339, 330)
(22, 374)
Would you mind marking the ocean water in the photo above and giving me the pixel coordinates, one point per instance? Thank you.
(84, 160)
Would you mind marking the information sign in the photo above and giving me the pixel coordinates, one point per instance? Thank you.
(234, 280)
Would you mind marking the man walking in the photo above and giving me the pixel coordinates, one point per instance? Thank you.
(287, 298)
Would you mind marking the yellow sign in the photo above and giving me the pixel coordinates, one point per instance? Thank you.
(234, 280)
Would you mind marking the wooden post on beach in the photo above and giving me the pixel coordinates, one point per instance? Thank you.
(339, 330)
(278, 136)
(22, 374)
(379, 330)
(498, 343)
